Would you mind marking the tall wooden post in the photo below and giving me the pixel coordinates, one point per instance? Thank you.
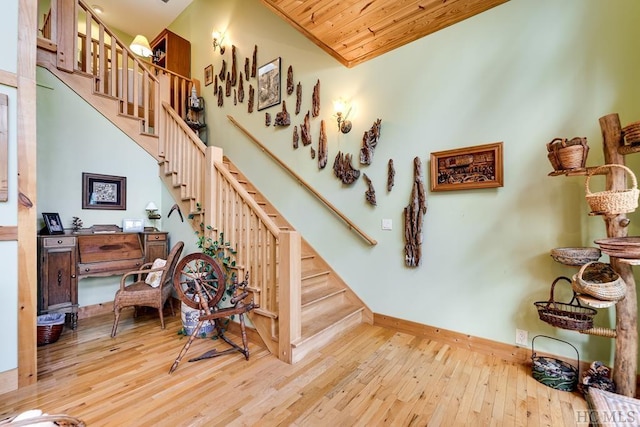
(626, 356)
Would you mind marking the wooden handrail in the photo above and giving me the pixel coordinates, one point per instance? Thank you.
(302, 182)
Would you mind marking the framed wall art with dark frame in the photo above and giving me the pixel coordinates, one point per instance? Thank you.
(104, 191)
(467, 168)
(269, 84)
(208, 75)
(52, 223)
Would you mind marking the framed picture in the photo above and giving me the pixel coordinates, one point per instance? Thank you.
(104, 191)
(208, 75)
(269, 84)
(52, 223)
(467, 168)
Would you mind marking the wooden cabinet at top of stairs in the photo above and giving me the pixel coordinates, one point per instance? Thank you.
(172, 52)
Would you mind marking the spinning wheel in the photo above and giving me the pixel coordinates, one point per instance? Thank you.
(200, 283)
(198, 269)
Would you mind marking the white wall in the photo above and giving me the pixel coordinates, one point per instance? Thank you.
(523, 73)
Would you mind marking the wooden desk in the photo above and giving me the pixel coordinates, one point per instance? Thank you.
(66, 258)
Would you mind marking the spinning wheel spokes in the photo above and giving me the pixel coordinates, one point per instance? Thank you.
(198, 270)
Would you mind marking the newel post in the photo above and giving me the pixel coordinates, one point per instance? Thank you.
(626, 356)
(289, 310)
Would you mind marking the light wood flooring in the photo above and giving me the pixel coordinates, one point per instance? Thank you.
(372, 376)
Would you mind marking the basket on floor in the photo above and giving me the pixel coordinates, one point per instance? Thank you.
(49, 327)
(612, 201)
(600, 281)
(552, 372)
(571, 315)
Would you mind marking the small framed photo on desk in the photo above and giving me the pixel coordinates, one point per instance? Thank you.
(133, 225)
(52, 223)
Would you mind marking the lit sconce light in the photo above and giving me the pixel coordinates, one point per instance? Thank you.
(140, 46)
(342, 110)
(218, 38)
(152, 212)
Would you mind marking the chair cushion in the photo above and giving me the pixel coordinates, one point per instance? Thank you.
(153, 278)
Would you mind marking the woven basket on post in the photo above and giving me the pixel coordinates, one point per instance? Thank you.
(612, 201)
(572, 315)
(631, 133)
(568, 154)
(600, 281)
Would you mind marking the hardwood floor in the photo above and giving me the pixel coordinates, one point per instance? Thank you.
(372, 376)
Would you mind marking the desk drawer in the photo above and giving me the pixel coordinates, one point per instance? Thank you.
(109, 268)
(56, 242)
(156, 237)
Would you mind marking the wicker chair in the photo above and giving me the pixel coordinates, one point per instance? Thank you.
(139, 293)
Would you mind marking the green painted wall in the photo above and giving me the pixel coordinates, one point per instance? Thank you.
(523, 73)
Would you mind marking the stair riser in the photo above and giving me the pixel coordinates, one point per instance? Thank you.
(315, 282)
(316, 308)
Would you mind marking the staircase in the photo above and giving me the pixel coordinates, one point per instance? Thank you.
(303, 303)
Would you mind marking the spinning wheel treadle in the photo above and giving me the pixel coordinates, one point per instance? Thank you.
(200, 283)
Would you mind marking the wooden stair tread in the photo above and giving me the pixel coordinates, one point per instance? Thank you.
(326, 319)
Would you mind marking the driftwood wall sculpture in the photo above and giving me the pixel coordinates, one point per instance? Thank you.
(313, 152)
(298, 97)
(369, 143)
(322, 147)
(290, 80)
(252, 94)
(254, 65)
(220, 96)
(315, 101)
(267, 119)
(413, 218)
(246, 68)
(295, 137)
(240, 90)
(283, 118)
(223, 70)
(234, 66)
(343, 169)
(215, 86)
(370, 194)
(227, 90)
(235, 97)
(391, 173)
(305, 131)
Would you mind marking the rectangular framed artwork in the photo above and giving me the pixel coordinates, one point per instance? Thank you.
(269, 84)
(52, 223)
(104, 191)
(208, 75)
(467, 168)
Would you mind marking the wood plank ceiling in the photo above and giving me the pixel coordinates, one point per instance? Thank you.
(354, 31)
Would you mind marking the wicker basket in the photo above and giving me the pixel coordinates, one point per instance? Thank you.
(612, 201)
(554, 373)
(600, 281)
(575, 256)
(50, 327)
(571, 315)
(568, 154)
(631, 133)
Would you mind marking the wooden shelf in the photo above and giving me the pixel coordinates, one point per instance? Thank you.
(576, 172)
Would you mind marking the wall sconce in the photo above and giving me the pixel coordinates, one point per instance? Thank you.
(140, 46)
(218, 38)
(340, 106)
(152, 212)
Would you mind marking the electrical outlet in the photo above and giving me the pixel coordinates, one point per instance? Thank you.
(522, 337)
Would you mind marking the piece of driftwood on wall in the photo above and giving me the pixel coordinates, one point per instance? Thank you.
(369, 142)
(220, 96)
(305, 131)
(240, 89)
(223, 70)
(391, 173)
(234, 66)
(344, 170)
(247, 67)
(283, 118)
(254, 65)
(315, 101)
(215, 86)
(267, 119)
(235, 96)
(370, 194)
(290, 80)
(252, 93)
(322, 147)
(227, 90)
(413, 218)
(296, 137)
(313, 152)
(298, 97)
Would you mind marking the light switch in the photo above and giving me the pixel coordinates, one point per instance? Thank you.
(387, 224)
